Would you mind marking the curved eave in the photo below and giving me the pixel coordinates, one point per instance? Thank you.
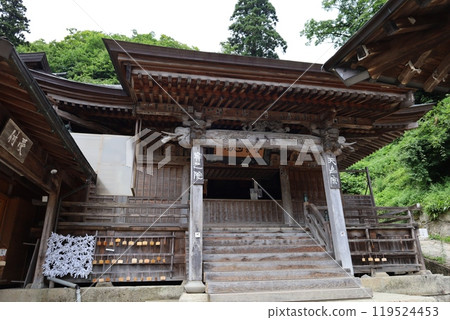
(61, 147)
(129, 58)
(107, 96)
(396, 123)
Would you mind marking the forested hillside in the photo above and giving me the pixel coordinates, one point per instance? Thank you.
(82, 56)
(413, 169)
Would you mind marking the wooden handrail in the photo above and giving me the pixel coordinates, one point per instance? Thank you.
(318, 226)
(316, 213)
(391, 215)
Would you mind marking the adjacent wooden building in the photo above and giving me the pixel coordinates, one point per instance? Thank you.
(40, 164)
(235, 161)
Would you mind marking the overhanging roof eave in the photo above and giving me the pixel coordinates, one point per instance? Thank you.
(362, 34)
(41, 102)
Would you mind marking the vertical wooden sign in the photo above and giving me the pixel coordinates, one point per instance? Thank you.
(197, 166)
(15, 141)
(333, 174)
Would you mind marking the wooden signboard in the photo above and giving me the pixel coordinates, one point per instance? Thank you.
(15, 141)
(333, 174)
(197, 167)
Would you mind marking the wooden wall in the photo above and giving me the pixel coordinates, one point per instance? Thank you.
(139, 238)
(162, 184)
(17, 221)
(241, 212)
(307, 182)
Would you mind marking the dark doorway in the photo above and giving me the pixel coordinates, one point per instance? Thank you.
(234, 188)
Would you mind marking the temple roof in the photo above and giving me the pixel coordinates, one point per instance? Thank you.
(235, 92)
(406, 43)
(166, 88)
(23, 101)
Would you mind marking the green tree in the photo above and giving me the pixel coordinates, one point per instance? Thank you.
(13, 22)
(352, 15)
(82, 55)
(253, 30)
(414, 168)
(426, 150)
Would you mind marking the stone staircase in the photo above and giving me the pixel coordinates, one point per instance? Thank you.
(272, 264)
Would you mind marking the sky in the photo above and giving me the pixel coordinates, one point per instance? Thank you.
(200, 23)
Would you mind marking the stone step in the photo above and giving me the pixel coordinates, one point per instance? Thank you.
(256, 235)
(254, 257)
(256, 242)
(275, 275)
(294, 295)
(213, 287)
(262, 249)
(310, 263)
(253, 229)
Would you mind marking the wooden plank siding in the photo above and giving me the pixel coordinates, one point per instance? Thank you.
(232, 211)
(306, 182)
(139, 238)
(381, 239)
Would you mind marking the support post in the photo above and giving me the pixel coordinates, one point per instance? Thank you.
(369, 185)
(185, 197)
(286, 196)
(335, 211)
(195, 270)
(49, 223)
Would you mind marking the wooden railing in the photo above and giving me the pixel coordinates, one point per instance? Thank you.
(136, 241)
(241, 211)
(383, 239)
(317, 225)
(356, 216)
(100, 215)
(134, 258)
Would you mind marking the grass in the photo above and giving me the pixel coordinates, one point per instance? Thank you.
(440, 260)
(440, 238)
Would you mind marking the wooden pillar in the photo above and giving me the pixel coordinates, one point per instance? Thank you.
(185, 181)
(286, 198)
(195, 269)
(49, 223)
(336, 211)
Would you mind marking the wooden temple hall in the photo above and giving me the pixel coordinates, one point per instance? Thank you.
(217, 171)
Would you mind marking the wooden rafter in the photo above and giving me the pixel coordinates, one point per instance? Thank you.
(413, 23)
(399, 50)
(85, 123)
(411, 69)
(438, 75)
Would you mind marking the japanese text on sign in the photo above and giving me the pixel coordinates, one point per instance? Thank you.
(15, 141)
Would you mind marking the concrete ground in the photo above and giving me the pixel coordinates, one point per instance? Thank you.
(393, 297)
(417, 288)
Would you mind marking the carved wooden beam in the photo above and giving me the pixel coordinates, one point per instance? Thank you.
(246, 116)
(398, 50)
(85, 123)
(439, 74)
(412, 69)
(412, 23)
